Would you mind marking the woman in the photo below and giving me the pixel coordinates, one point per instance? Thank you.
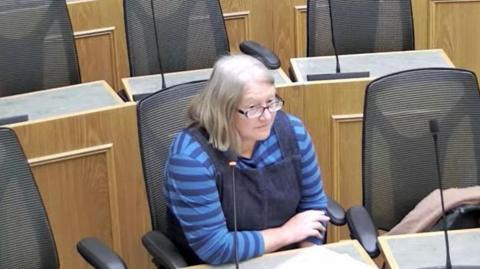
(280, 198)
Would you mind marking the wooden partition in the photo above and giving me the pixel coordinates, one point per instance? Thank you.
(451, 25)
(88, 170)
(331, 111)
(289, 30)
(101, 41)
(99, 33)
(248, 20)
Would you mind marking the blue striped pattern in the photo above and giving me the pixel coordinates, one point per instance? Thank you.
(192, 194)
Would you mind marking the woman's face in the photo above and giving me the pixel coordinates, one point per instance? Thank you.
(255, 94)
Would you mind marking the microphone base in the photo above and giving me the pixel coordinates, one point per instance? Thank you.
(313, 77)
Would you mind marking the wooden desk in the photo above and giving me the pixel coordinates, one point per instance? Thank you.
(152, 83)
(378, 64)
(423, 250)
(81, 142)
(332, 112)
(273, 260)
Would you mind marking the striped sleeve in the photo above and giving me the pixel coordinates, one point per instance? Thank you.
(313, 195)
(193, 198)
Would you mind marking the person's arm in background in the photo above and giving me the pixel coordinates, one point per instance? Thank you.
(313, 195)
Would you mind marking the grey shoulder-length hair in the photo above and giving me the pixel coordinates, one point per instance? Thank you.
(214, 108)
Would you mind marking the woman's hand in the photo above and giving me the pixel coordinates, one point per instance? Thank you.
(305, 244)
(309, 223)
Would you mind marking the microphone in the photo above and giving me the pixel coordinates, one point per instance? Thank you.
(338, 74)
(232, 162)
(156, 44)
(434, 131)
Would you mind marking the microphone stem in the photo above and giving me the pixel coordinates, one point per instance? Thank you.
(234, 191)
(334, 45)
(156, 44)
(445, 226)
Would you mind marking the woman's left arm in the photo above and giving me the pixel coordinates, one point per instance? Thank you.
(313, 194)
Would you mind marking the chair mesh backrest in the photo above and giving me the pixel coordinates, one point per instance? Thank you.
(160, 117)
(360, 26)
(191, 35)
(398, 155)
(25, 237)
(37, 49)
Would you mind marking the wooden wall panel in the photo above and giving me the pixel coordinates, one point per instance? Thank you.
(95, 16)
(322, 101)
(262, 12)
(258, 15)
(286, 23)
(98, 56)
(300, 31)
(420, 23)
(238, 29)
(451, 25)
(93, 198)
(346, 164)
(294, 99)
(330, 111)
(454, 26)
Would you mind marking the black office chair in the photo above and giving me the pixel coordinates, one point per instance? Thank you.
(398, 154)
(26, 239)
(169, 36)
(359, 26)
(160, 117)
(37, 46)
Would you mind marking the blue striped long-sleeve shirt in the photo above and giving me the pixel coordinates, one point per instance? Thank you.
(193, 197)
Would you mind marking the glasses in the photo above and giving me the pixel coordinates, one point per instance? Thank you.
(257, 111)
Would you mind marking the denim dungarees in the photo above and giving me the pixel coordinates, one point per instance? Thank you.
(266, 197)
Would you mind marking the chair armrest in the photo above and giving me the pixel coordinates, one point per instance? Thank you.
(99, 255)
(461, 217)
(336, 213)
(362, 228)
(164, 252)
(263, 54)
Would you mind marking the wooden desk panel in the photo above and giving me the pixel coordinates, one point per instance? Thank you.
(87, 167)
(331, 111)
